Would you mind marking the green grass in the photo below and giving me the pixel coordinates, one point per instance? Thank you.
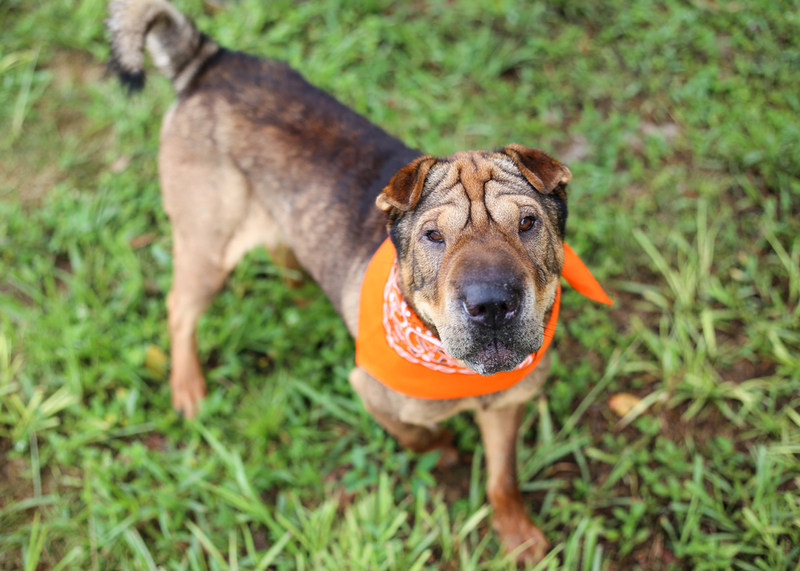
(679, 122)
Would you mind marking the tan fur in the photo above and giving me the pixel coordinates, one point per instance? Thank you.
(475, 201)
(252, 155)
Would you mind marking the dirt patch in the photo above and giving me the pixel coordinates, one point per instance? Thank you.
(14, 484)
(453, 479)
(653, 556)
(155, 442)
(56, 120)
(74, 67)
(26, 182)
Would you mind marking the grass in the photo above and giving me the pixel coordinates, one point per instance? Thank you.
(679, 122)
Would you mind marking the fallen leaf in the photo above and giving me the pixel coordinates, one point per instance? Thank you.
(142, 241)
(120, 164)
(623, 403)
(155, 360)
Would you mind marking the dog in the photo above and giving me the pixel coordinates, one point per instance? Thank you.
(253, 155)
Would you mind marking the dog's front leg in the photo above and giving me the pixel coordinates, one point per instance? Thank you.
(499, 432)
(381, 403)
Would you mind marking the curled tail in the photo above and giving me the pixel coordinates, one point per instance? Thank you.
(177, 47)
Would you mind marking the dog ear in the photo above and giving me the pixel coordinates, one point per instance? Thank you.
(543, 172)
(405, 189)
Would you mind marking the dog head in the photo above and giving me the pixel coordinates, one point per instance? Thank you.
(479, 240)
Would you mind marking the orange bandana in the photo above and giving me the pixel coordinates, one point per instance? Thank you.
(395, 348)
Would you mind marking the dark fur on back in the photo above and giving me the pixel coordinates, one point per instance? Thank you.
(331, 146)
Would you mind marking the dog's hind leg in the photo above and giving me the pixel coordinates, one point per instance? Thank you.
(499, 433)
(215, 221)
(195, 281)
(202, 260)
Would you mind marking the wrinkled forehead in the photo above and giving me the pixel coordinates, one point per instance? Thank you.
(468, 177)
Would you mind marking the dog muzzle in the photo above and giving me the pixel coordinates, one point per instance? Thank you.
(398, 350)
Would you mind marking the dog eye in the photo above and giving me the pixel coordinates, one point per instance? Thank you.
(434, 236)
(526, 223)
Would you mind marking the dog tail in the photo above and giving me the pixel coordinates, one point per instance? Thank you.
(177, 47)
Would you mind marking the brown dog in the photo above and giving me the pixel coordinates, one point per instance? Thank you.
(251, 154)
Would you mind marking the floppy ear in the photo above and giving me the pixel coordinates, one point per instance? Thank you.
(542, 171)
(405, 189)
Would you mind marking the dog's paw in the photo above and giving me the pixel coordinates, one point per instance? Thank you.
(449, 457)
(518, 532)
(186, 397)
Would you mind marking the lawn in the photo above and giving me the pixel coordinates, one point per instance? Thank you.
(679, 121)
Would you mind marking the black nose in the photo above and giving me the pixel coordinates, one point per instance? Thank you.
(491, 304)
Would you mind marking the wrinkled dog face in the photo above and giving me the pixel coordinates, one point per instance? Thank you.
(479, 241)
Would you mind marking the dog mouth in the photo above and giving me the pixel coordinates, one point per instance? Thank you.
(493, 357)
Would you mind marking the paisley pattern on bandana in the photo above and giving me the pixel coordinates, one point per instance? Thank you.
(408, 336)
